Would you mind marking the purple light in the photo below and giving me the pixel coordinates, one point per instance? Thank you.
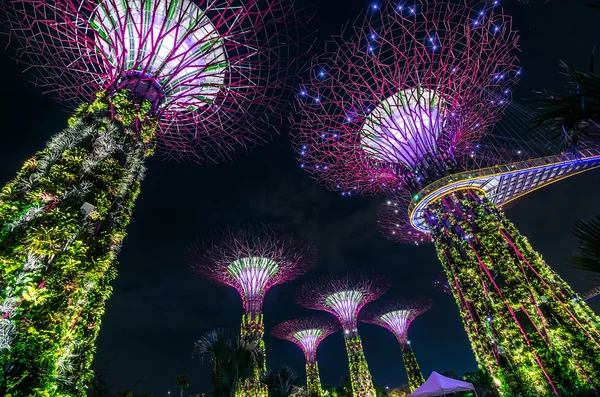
(253, 275)
(346, 305)
(405, 127)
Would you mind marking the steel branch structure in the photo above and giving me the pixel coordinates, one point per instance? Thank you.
(404, 108)
(308, 333)
(194, 79)
(252, 259)
(344, 295)
(396, 316)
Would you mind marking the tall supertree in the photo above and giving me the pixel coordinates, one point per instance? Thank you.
(308, 333)
(396, 316)
(344, 295)
(402, 109)
(194, 80)
(252, 259)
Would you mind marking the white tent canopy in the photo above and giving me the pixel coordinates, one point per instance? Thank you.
(438, 385)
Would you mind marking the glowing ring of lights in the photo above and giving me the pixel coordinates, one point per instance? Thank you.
(479, 180)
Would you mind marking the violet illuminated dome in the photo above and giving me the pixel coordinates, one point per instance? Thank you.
(252, 259)
(396, 315)
(408, 97)
(306, 332)
(343, 295)
(212, 69)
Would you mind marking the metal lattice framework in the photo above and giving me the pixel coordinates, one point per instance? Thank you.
(409, 97)
(252, 259)
(307, 333)
(396, 315)
(343, 295)
(213, 69)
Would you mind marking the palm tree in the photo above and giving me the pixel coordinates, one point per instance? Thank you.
(232, 360)
(182, 382)
(577, 114)
(483, 383)
(281, 382)
(587, 255)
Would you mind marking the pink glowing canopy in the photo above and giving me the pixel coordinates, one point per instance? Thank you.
(307, 333)
(407, 94)
(252, 259)
(343, 294)
(396, 315)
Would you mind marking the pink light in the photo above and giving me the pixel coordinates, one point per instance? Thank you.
(346, 305)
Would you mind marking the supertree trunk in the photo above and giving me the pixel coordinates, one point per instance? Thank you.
(415, 377)
(360, 376)
(313, 379)
(526, 325)
(253, 330)
(63, 220)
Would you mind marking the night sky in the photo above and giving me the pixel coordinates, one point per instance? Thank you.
(159, 308)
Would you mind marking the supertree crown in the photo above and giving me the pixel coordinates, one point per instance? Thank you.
(252, 259)
(408, 98)
(343, 294)
(307, 333)
(205, 66)
(396, 315)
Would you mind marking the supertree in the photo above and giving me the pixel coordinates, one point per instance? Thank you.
(396, 316)
(402, 109)
(344, 295)
(252, 259)
(193, 79)
(308, 333)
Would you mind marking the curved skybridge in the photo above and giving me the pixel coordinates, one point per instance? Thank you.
(505, 183)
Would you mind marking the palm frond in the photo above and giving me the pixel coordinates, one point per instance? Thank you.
(587, 255)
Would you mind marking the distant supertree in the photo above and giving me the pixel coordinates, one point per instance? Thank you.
(402, 108)
(194, 79)
(343, 295)
(308, 333)
(252, 259)
(397, 315)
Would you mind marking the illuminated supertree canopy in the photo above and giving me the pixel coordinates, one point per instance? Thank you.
(211, 69)
(252, 259)
(308, 333)
(344, 295)
(396, 316)
(195, 80)
(403, 108)
(408, 97)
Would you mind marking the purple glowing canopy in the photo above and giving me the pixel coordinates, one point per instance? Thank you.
(252, 259)
(396, 315)
(343, 294)
(307, 333)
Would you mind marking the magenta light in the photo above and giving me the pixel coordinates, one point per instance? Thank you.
(343, 295)
(252, 259)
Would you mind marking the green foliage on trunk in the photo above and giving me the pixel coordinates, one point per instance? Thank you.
(63, 220)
